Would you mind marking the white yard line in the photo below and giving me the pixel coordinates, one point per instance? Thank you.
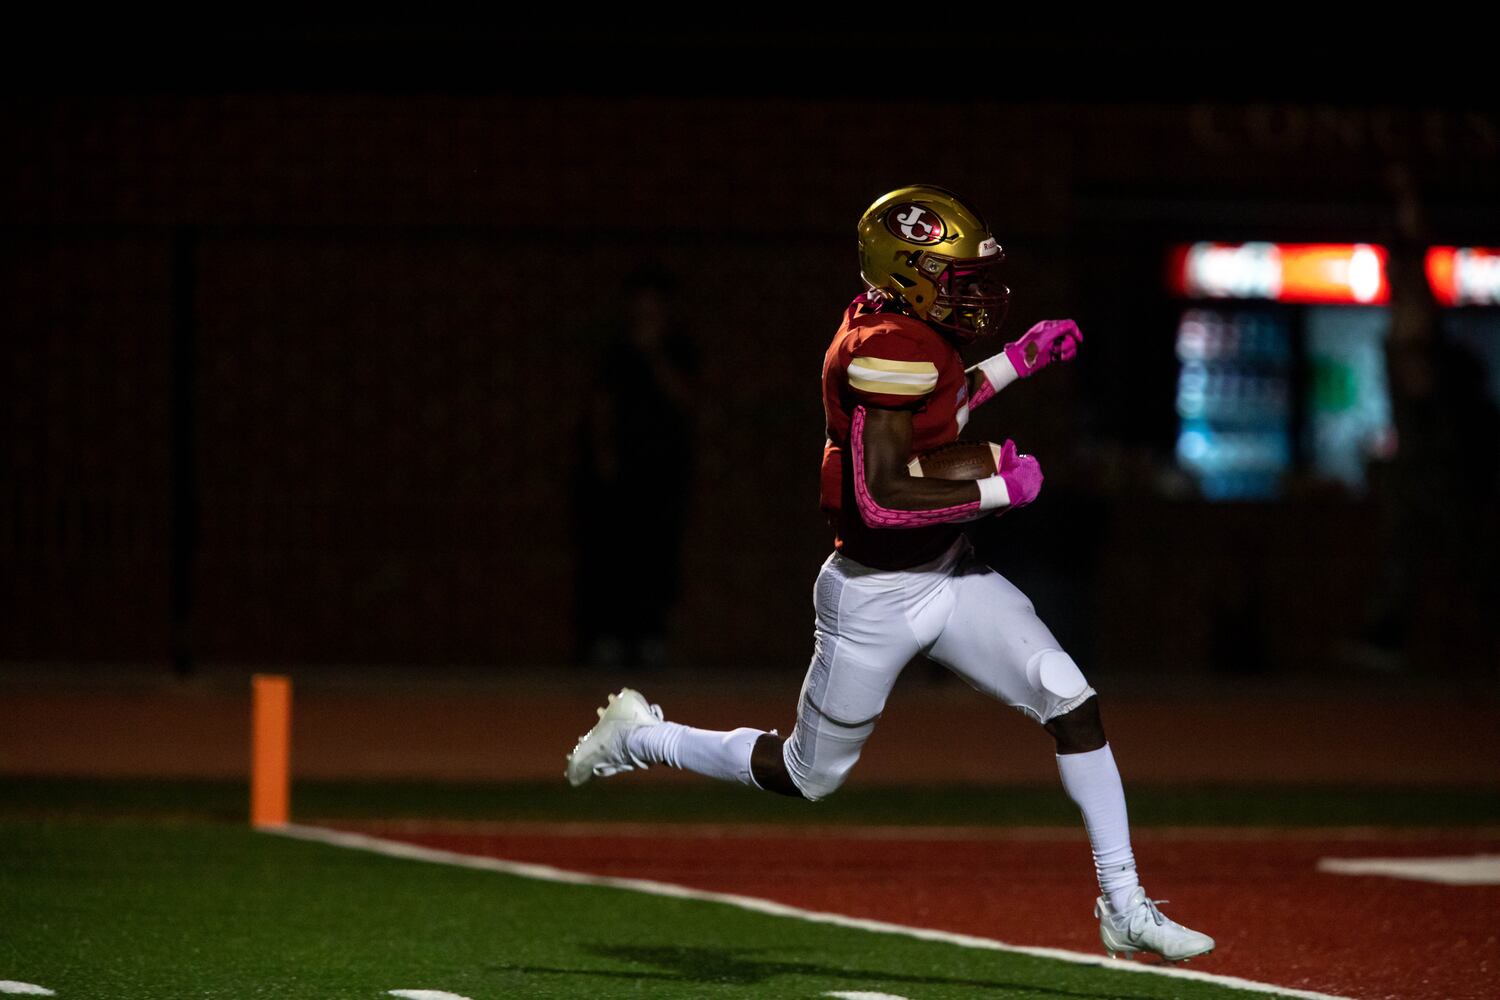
(1474, 869)
(24, 989)
(546, 873)
(863, 995)
(710, 831)
(425, 995)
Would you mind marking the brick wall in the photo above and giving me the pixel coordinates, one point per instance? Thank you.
(394, 303)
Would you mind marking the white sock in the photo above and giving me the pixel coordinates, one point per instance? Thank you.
(1092, 781)
(725, 756)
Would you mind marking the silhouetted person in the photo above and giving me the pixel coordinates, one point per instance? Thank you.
(634, 478)
(1437, 494)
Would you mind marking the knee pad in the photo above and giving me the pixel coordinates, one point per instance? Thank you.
(818, 784)
(1054, 672)
(822, 776)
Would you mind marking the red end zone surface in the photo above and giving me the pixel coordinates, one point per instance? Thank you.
(1276, 918)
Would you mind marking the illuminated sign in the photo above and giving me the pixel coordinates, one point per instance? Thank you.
(1341, 273)
(1464, 276)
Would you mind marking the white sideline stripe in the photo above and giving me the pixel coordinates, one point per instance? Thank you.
(426, 995)
(26, 989)
(546, 873)
(864, 995)
(1476, 869)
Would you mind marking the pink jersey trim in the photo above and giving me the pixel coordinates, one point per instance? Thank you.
(877, 516)
(989, 384)
(983, 394)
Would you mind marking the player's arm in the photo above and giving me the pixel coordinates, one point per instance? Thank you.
(1050, 340)
(889, 496)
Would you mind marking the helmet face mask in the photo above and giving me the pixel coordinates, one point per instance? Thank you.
(971, 300)
(925, 248)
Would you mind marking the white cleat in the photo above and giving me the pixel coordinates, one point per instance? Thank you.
(1142, 927)
(601, 751)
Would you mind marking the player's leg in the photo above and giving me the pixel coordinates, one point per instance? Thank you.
(862, 642)
(863, 638)
(631, 733)
(996, 642)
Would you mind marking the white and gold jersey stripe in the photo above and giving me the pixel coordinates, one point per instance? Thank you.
(896, 378)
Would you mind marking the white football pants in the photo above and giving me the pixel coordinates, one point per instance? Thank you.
(870, 623)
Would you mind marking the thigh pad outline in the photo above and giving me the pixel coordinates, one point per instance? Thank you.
(1053, 671)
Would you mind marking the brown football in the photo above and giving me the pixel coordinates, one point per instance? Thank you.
(957, 460)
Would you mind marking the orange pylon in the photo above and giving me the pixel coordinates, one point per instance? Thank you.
(270, 750)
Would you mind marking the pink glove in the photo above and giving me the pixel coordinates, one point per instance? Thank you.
(1022, 475)
(1050, 340)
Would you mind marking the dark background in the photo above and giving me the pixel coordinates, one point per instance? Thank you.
(297, 321)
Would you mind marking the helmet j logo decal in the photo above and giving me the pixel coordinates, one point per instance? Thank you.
(915, 224)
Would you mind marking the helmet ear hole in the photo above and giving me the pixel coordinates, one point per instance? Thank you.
(904, 281)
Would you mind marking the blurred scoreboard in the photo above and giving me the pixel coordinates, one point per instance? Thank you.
(1233, 400)
(1281, 356)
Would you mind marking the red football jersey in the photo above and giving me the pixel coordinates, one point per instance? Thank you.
(882, 358)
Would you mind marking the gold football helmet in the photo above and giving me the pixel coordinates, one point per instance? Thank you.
(932, 253)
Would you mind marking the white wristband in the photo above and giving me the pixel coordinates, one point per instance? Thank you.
(998, 371)
(993, 493)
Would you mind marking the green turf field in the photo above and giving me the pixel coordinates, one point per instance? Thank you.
(155, 889)
(129, 910)
(225, 801)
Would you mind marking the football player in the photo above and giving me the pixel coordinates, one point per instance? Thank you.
(903, 579)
